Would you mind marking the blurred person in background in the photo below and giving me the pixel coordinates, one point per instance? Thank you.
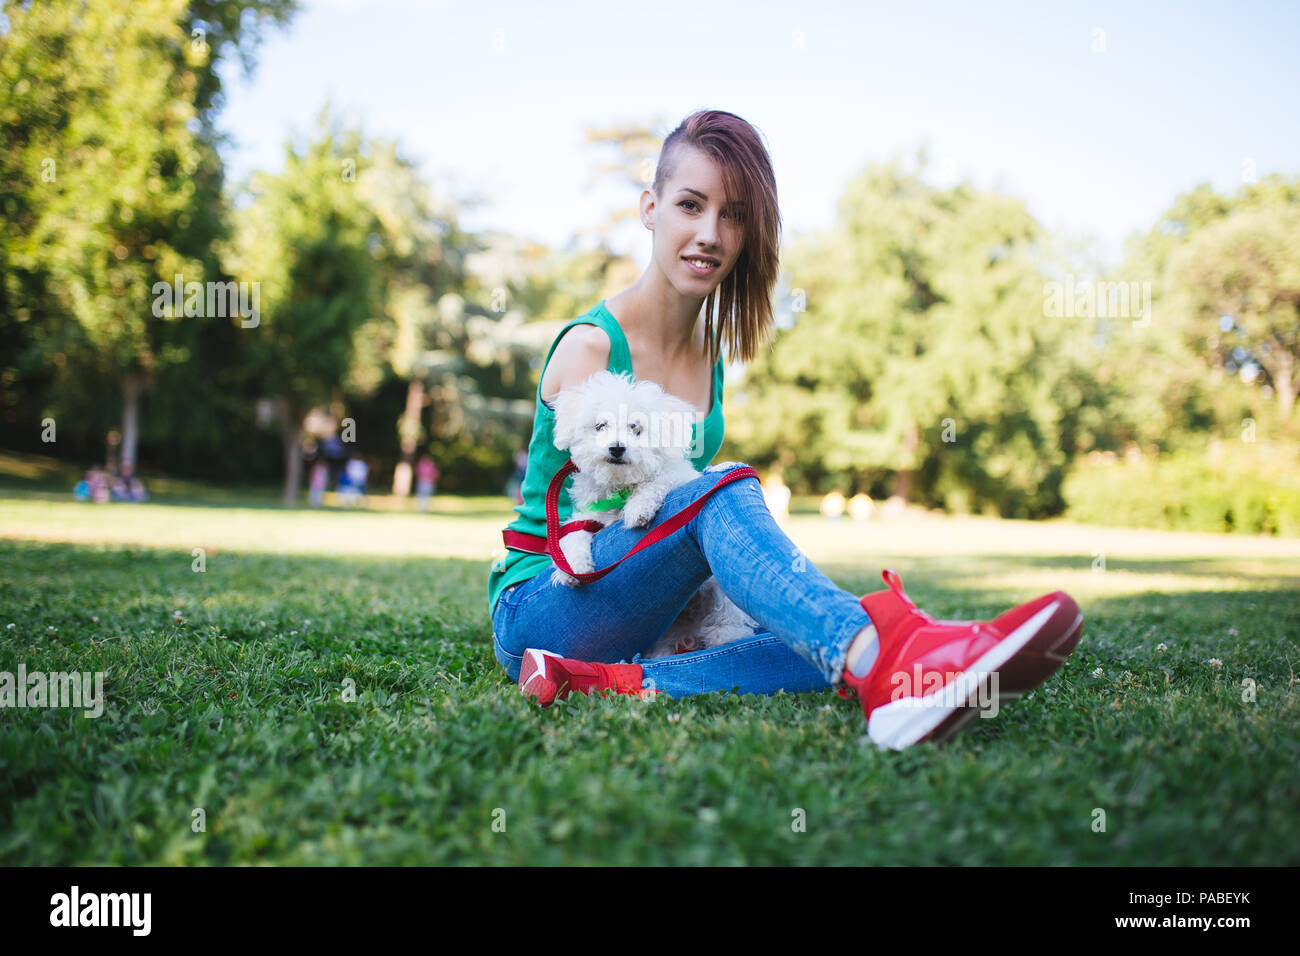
(352, 483)
(426, 481)
(319, 480)
(127, 486)
(331, 446)
(92, 487)
(515, 486)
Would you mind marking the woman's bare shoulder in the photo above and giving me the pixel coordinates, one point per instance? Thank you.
(582, 351)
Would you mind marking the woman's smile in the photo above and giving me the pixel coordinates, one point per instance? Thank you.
(701, 267)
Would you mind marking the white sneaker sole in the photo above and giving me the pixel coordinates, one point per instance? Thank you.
(901, 723)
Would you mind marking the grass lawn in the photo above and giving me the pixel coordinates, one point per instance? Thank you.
(225, 693)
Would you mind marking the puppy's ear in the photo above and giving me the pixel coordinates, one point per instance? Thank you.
(568, 406)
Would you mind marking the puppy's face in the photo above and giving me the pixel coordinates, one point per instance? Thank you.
(620, 433)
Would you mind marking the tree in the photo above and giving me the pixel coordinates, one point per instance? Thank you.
(306, 238)
(923, 353)
(117, 185)
(636, 148)
(419, 259)
(1239, 281)
(1167, 395)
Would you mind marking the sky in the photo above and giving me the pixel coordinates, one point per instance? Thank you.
(1098, 115)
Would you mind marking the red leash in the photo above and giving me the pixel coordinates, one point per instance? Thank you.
(535, 544)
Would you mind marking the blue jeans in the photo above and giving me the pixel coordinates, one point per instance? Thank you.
(807, 621)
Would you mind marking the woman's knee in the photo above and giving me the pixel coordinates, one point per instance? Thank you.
(711, 475)
(701, 486)
(743, 487)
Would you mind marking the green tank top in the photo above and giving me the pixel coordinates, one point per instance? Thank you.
(544, 459)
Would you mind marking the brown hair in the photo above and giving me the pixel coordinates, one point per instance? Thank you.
(741, 306)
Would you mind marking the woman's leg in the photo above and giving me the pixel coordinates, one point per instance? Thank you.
(733, 537)
(762, 664)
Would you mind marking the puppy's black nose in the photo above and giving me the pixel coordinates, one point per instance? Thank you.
(616, 450)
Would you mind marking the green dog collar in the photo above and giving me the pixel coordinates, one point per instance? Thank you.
(616, 500)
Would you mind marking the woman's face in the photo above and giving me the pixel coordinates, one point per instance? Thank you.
(692, 221)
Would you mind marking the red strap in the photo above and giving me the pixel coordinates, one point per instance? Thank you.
(533, 543)
(536, 543)
(658, 534)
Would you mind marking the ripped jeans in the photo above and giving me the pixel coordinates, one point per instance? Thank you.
(808, 622)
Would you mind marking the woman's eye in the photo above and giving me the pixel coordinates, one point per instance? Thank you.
(636, 429)
(600, 426)
(735, 216)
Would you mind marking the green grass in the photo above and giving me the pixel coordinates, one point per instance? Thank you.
(225, 693)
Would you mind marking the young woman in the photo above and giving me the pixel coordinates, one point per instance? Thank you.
(712, 210)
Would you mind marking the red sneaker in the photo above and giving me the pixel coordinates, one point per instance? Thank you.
(549, 676)
(931, 677)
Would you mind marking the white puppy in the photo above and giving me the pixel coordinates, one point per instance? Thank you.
(631, 439)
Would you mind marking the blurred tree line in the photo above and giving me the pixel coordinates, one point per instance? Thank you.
(371, 301)
(934, 343)
(942, 348)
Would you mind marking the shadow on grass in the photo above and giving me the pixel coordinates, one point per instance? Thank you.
(412, 584)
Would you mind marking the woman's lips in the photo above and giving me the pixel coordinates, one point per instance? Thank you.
(697, 270)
